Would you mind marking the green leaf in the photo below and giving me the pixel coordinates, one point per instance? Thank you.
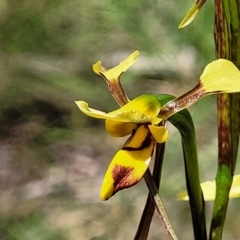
(183, 122)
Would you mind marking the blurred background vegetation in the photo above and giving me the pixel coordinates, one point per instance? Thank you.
(52, 156)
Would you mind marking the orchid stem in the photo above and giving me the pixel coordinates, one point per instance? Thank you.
(159, 205)
(227, 43)
(149, 209)
(146, 219)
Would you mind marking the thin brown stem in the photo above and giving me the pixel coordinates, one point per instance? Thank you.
(159, 205)
(149, 209)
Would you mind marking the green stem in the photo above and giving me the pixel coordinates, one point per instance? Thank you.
(227, 42)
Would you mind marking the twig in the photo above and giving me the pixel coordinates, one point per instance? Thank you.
(159, 205)
(146, 218)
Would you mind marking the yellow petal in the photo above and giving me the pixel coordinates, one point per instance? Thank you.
(191, 14)
(114, 73)
(235, 189)
(142, 109)
(209, 190)
(129, 164)
(220, 76)
(118, 115)
(83, 106)
(160, 133)
(97, 67)
(116, 125)
(119, 129)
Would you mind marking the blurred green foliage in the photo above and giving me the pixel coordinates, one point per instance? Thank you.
(48, 147)
(32, 227)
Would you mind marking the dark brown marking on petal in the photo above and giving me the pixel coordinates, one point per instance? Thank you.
(145, 144)
(122, 177)
(134, 131)
(131, 137)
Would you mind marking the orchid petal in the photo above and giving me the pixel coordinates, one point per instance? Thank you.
(235, 189)
(220, 76)
(114, 73)
(119, 129)
(160, 133)
(112, 77)
(129, 164)
(192, 13)
(83, 106)
(142, 109)
(97, 67)
(209, 190)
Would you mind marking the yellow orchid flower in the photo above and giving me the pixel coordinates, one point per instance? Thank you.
(144, 118)
(209, 190)
(138, 118)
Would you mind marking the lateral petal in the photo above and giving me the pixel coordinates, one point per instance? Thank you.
(113, 74)
(160, 133)
(220, 76)
(129, 164)
(142, 109)
(98, 68)
(209, 190)
(119, 129)
(83, 106)
(192, 13)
